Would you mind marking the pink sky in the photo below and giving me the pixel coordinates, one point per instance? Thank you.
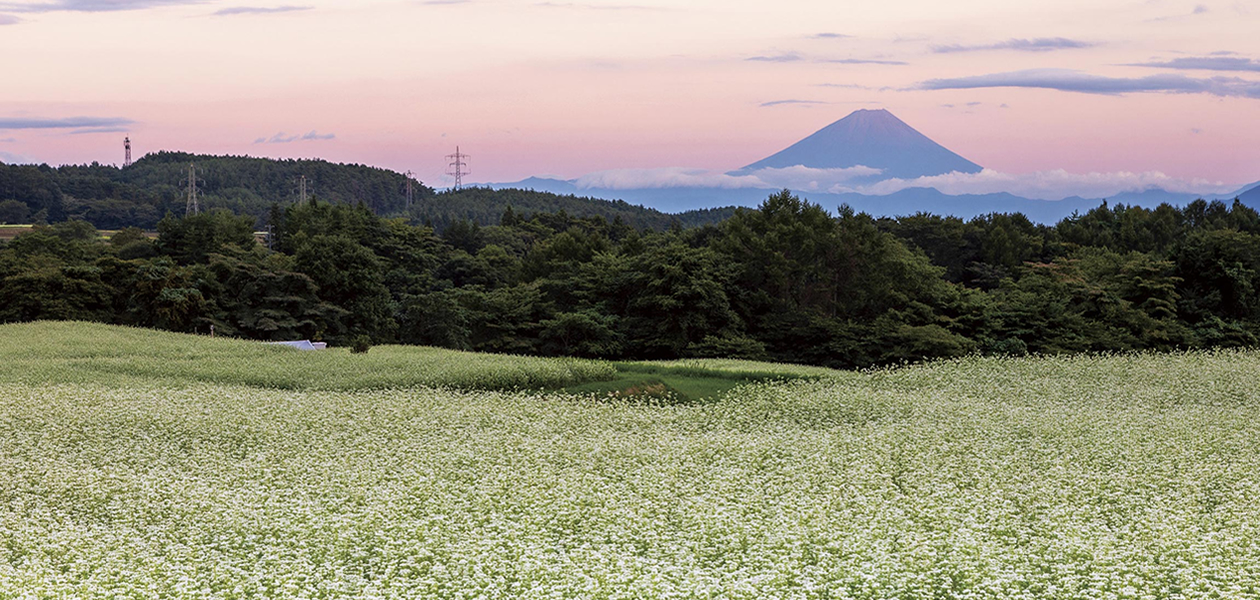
(564, 89)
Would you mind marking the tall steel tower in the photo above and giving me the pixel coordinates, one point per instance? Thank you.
(192, 208)
(410, 191)
(127, 151)
(457, 167)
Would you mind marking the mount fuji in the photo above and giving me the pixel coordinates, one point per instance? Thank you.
(841, 164)
(869, 138)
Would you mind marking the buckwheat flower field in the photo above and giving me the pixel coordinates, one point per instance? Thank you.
(1085, 477)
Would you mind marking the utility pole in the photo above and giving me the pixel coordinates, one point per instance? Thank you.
(457, 167)
(127, 150)
(192, 207)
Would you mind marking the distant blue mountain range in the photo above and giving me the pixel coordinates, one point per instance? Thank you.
(877, 140)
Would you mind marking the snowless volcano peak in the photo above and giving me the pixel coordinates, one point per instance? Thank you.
(872, 138)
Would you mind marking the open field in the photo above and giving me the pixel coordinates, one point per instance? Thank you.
(133, 472)
(8, 232)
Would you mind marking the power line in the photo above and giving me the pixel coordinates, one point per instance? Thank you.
(457, 167)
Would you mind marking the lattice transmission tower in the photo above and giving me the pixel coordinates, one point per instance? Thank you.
(411, 193)
(302, 189)
(192, 207)
(457, 167)
(127, 152)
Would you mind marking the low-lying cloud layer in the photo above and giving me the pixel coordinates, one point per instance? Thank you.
(1043, 185)
(1077, 81)
(797, 178)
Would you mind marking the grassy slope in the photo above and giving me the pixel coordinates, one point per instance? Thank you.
(1080, 477)
(51, 352)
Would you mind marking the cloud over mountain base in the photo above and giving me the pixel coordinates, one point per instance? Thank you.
(1041, 185)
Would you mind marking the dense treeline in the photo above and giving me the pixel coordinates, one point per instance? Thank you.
(140, 195)
(787, 281)
(485, 206)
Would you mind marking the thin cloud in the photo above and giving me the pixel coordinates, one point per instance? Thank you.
(1207, 63)
(90, 5)
(66, 123)
(1077, 81)
(862, 61)
(9, 20)
(284, 138)
(1022, 45)
(444, 2)
(1199, 9)
(777, 58)
(8, 140)
(783, 102)
(92, 130)
(258, 10)
(830, 36)
(582, 6)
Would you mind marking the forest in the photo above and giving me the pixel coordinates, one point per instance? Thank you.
(143, 193)
(787, 281)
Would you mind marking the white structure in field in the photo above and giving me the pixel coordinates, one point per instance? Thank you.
(303, 345)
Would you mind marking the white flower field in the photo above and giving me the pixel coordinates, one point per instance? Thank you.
(1083, 478)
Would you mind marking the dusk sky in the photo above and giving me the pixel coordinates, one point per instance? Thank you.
(1087, 90)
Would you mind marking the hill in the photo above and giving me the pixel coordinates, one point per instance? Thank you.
(109, 197)
(138, 196)
(485, 206)
(1251, 197)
